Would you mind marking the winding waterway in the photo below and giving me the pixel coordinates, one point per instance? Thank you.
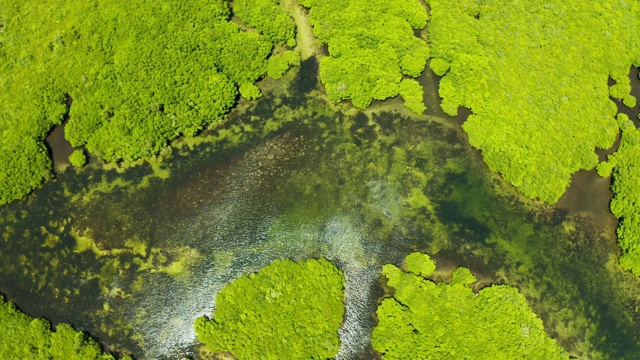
(134, 256)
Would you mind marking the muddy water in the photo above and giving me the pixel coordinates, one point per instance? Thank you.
(58, 146)
(635, 91)
(589, 193)
(134, 257)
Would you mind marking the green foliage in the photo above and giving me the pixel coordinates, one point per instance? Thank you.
(268, 18)
(278, 65)
(425, 320)
(287, 310)
(462, 276)
(605, 169)
(78, 159)
(372, 45)
(25, 163)
(24, 337)
(439, 66)
(412, 93)
(624, 166)
(250, 92)
(292, 57)
(629, 101)
(140, 73)
(535, 74)
(420, 264)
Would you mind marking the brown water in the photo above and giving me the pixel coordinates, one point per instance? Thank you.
(635, 91)
(590, 194)
(58, 146)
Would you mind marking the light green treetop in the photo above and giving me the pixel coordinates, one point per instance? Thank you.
(77, 158)
(287, 310)
(372, 45)
(534, 75)
(25, 337)
(427, 320)
(140, 73)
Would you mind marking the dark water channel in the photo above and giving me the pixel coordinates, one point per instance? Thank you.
(633, 113)
(135, 256)
(57, 145)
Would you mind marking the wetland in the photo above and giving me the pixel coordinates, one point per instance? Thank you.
(134, 254)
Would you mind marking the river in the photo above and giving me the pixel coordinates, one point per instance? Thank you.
(135, 255)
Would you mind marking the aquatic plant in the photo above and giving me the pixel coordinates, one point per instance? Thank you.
(535, 75)
(624, 167)
(138, 73)
(287, 310)
(424, 319)
(25, 337)
(372, 46)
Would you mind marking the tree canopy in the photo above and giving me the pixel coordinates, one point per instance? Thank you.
(427, 320)
(279, 64)
(268, 18)
(372, 45)
(287, 310)
(25, 337)
(78, 158)
(535, 76)
(140, 73)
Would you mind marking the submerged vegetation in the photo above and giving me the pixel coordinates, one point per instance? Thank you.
(139, 74)
(287, 310)
(534, 75)
(24, 337)
(624, 167)
(424, 319)
(371, 47)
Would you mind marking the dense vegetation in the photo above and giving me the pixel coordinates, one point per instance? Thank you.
(24, 337)
(425, 320)
(140, 73)
(372, 46)
(535, 75)
(287, 310)
(624, 166)
(78, 158)
(279, 64)
(268, 18)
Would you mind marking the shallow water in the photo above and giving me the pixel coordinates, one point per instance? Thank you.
(58, 146)
(134, 257)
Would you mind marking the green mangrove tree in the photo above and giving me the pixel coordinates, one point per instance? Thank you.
(535, 76)
(287, 310)
(427, 320)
